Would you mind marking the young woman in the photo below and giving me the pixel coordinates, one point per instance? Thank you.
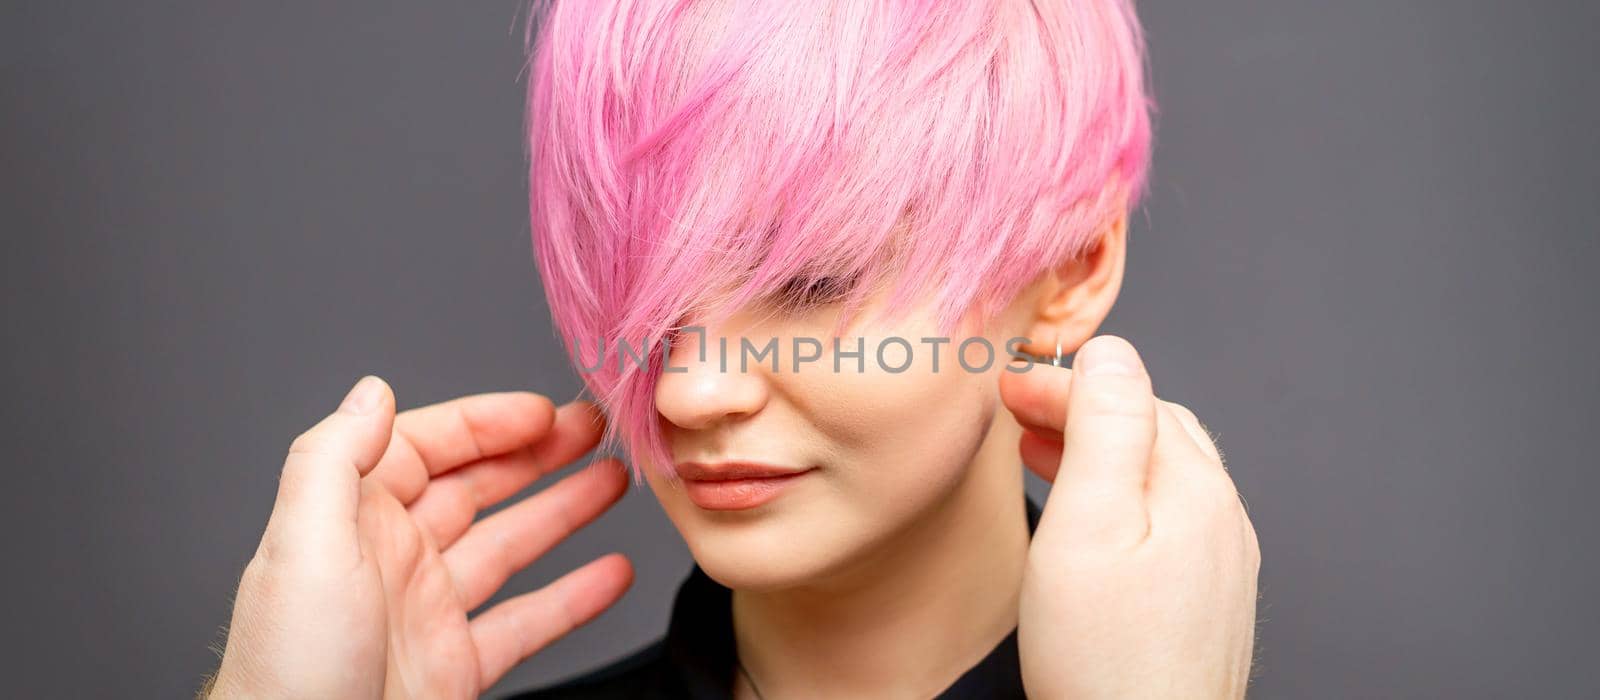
(828, 225)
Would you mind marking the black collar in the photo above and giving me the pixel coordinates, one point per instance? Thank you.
(700, 647)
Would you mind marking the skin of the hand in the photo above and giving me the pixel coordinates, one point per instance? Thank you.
(1141, 576)
(371, 560)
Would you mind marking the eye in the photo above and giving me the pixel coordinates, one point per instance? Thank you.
(809, 291)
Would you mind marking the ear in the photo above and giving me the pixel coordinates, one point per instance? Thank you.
(1079, 293)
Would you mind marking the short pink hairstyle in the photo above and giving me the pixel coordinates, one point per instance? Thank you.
(688, 157)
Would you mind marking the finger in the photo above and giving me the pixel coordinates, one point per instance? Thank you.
(1197, 431)
(517, 628)
(448, 503)
(1041, 454)
(502, 544)
(1252, 542)
(318, 491)
(1181, 465)
(1175, 444)
(1109, 438)
(1186, 483)
(1038, 398)
(437, 438)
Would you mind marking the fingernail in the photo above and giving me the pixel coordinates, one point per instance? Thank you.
(1107, 356)
(363, 396)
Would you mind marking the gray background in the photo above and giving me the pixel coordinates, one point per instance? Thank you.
(1368, 263)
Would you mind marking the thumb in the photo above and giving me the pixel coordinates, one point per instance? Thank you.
(1110, 435)
(314, 517)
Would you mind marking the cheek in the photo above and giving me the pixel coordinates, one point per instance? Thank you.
(919, 425)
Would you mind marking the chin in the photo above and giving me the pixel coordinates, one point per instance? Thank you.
(745, 574)
(758, 555)
(764, 552)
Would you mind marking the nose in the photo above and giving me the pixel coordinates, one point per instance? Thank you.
(703, 383)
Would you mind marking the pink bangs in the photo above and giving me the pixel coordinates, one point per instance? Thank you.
(689, 157)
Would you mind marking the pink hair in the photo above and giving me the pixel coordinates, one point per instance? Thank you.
(690, 157)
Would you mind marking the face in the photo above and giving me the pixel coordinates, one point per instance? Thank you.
(881, 449)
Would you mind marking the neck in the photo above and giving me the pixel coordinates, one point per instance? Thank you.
(915, 613)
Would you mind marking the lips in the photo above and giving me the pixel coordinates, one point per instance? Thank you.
(735, 485)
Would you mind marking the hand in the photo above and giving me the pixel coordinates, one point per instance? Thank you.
(1141, 577)
(370, 561)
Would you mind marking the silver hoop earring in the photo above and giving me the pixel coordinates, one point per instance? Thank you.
(1057, 361)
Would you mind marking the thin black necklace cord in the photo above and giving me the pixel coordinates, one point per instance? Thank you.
(746, 672)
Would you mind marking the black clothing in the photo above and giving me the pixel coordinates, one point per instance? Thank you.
(696, 659)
